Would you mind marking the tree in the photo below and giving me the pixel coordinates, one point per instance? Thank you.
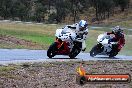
(28, 10)
(39, 12)
(5, 8)
(103, 8)
(122, 4)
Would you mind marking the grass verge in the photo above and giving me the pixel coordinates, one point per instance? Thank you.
(44, 35)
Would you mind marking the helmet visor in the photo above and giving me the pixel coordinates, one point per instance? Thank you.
(82, 28)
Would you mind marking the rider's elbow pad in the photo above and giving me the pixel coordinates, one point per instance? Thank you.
(71, 27)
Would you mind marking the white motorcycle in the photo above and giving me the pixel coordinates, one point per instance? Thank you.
(104, 47)
(64, 44)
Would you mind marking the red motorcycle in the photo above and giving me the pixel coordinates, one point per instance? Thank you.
(64, 45)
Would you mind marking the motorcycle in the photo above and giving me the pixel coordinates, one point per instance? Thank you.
(104, 47)
(64, 44)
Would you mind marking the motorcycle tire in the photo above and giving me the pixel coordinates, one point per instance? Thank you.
(76, 50)
(51, 51)
(74, 53)
(94, 51)
(114, 52)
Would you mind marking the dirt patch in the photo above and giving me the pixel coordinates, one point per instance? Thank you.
(13, 42)
(61, 74)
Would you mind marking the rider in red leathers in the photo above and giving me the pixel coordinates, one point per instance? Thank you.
(118, 37)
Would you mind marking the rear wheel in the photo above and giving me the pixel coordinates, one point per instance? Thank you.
(113, 54)
(114, 51)
(74, 53)
(51, 52)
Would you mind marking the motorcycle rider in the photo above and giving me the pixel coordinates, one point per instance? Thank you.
(81, 31)
(118, 37)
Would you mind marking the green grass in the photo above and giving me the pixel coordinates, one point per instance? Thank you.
(35, 37)
(5, 71)
(11, 46)
(127, 24)
(6, 68)
(44, 35)
(40, 39)
(92, 37)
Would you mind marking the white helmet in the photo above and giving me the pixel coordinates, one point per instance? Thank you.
(83, 24)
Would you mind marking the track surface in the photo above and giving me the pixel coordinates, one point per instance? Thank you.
(24, 55)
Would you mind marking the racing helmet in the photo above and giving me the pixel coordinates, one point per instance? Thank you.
(83, 25)
(117, 29)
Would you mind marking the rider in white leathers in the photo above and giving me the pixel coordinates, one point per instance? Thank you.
(80, 32)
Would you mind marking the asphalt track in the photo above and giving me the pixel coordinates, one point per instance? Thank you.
(8, 56)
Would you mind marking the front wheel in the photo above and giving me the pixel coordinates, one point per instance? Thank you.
(51, 51)
(74, 53)
(76, 50)
(95, 50)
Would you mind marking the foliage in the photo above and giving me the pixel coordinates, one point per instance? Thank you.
(57, 10)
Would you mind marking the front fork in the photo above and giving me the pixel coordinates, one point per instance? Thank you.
(83, 45)
(60, 43)
(100, 47)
